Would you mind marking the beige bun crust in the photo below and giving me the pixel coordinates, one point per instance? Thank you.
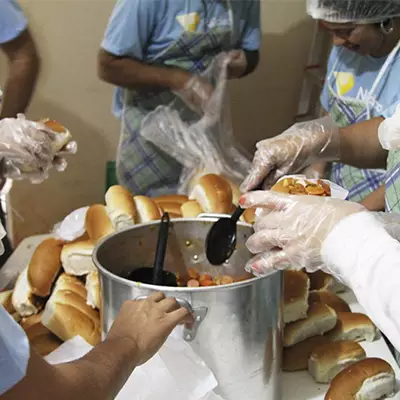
(147, 209)
(327, 360)
(190, 209)
(321, 318)
(295, 305)
(214, 194)
(98, 223)
(121, 207)
(354, 326)
(329, 298)
(76, 258)
(67, 315)
(369, 379)
(45, 266)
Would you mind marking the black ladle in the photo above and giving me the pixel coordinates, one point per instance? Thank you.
(157, 275)
(221, 238)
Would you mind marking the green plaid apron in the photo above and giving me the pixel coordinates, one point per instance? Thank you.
(141, 166)
(347, 111)
(392, 195)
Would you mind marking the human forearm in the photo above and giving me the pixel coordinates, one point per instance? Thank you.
(376, 200)
(98, 375)
(133, 74)
(24, 64)
(360, 146)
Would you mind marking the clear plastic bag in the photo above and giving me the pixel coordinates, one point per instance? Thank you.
(202, 144)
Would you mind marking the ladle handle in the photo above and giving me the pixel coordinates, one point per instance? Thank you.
(161, 250)
(237, 213)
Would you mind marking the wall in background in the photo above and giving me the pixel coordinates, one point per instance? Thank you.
(68, 33)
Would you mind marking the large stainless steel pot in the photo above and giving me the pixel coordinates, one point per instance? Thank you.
(238, 328)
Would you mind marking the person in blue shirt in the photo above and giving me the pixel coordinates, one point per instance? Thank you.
(154, 51)
(19, 48)
(361, 82)
(17, 44)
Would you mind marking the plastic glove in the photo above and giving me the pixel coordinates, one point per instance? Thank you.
(299, 146)
(26, 150)
(196, 93)
(389, 131)
(290, 230)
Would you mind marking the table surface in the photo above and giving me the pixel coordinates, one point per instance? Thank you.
(296, 385)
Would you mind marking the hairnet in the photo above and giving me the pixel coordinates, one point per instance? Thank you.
(360, 11)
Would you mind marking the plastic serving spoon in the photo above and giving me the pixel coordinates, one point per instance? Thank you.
(221, 238)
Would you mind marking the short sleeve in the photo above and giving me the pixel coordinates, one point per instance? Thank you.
(12, 21)
(252, 35)
(325, 91)
(14, 352)
(130, 27)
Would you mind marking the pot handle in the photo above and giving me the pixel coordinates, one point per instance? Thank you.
(199, 314)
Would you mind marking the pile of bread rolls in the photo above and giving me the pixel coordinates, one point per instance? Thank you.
(322, 335)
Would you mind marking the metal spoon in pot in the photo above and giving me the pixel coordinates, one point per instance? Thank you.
(221, 238)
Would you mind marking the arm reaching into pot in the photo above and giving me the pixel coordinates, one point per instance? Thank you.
(138, 332)
(341, 238)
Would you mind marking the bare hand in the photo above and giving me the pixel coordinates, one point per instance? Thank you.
(148, 323)
(237, 65)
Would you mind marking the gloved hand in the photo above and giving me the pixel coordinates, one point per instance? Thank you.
(237, 65)
(196, 93)
(26, 150)
(299, 146)
(290, 230)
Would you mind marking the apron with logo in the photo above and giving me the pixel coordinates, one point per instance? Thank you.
(347, 111)
(141, 166)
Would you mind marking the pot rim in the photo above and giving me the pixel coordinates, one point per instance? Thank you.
(141, 285)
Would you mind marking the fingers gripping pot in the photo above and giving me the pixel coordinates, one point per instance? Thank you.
(237, 331)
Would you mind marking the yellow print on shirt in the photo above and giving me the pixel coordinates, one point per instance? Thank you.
(344, 82)
(190, 21)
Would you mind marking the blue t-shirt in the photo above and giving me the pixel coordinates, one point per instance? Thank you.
(142, 29)
(14, 352)
(354, 75)
(12, 21)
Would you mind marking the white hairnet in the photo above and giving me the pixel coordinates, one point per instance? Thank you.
(360, 11)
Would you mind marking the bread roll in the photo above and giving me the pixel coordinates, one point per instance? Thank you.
(93, 290)
(190, 209)
(44, 267)
(320, 280)
(327, 360)
(321, 318)
(76, 258)
(236, 193)
(249, 216)
(329, 298)
(23, 299)
(295, 358)
(354, 326)
(6, 301)
(72, 284)
(62, 137)
(296, 285)
(147, 209)
(98, 223)
(173, 198)
(173, 209)
(369, 379)
(214, 194)
(67, 315)
(120, 207)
